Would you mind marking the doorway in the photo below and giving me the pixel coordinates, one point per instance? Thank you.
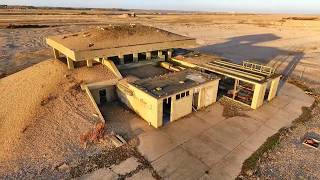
(166, 110)
(195, 101)
(103, 96)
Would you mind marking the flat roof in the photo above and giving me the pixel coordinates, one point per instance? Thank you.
(172, 83)
(116, 39)
(226, 67)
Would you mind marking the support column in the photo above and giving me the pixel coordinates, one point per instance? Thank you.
(70, 63)
(160, 55)
(236, 83)
(258, 95)
(148, 55)
(89, 63)
(135, 57)
(121, 58)
(273, 88)
(169, 53)
(56, 53)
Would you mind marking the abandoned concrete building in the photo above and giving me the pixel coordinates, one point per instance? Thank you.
(156, 81)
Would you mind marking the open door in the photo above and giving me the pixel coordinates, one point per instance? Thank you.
(166, 111)
(195, 101)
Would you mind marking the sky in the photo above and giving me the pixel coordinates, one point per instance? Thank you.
(263, 6)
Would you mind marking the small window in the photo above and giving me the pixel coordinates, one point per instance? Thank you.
(183, 95)
(177, 96)
(187, 93)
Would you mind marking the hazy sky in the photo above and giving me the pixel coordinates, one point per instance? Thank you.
(280, 6)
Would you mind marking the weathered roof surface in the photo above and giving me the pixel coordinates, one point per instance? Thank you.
(225, 67)
(173, 83)
(115, 40)
(195, 57)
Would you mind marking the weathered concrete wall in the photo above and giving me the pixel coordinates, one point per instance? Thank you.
(208, 94)
(111, 94)
(181, 107)
(143, 104)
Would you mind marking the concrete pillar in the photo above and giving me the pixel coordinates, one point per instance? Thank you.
(135, 57)
(273, 88)
(148, 55)
(169, 53)
(89, 63)
(161, 56)
(258, 95)
(70, 63)
(236, 84)
(56, 53)
(121, 58)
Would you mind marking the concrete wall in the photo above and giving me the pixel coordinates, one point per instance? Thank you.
(111, 94)
(181, 107)
(146, 106)
(150, 108)
(208, 94)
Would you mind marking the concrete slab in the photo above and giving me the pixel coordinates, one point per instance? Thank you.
(233, 162)
(296, 105)
(184, 129)
(253, 142)
(100, 174)
(205, 149)
(292, 91)
(126, 166)
(247, 125)
(211, 114)
(218, 172)
(178, 164)
(231, 132)
(264, 113)
(280, 101)
(281, 119)
(143, 174)
(154, 144)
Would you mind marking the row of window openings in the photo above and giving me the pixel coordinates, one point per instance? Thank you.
(182, 95)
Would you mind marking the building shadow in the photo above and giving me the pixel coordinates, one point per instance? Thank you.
(240, 48)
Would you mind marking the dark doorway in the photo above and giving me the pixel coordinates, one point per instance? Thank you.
(195, 100)
(103, 96)
(166, 110)
(142, 56)
(128, 58)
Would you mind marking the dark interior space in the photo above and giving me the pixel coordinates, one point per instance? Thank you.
(128, 58)
(154, 54)
(103, 96)
(142, 56)
(166, 110)
(115, 60)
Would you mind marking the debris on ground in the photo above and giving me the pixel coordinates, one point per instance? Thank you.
(232, 108)
(94, 135)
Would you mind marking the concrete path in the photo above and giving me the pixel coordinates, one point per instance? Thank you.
(205, 145)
